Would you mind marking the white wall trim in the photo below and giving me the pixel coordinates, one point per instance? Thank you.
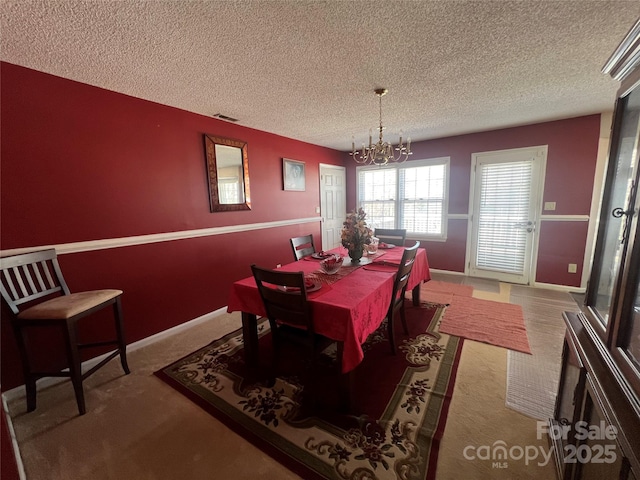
(564, 218)
(14, 441)
(553, 286)
(604, 145)
(19, 392)
(548, 286)
(91, 245)
(448, 272)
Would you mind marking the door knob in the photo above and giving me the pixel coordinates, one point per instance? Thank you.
(529, 225)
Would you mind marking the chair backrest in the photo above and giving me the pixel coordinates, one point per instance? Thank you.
(30, 276)
(302, 246)
(394, 236)
(404, 272)
(285, 297)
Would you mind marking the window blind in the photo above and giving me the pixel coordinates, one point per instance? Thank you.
(377, 191)
(410, 196)
(504, 203)
(422, 196)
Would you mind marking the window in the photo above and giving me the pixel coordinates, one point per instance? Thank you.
(412, 195)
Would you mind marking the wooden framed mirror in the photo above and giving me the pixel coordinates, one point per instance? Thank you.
(228, 174)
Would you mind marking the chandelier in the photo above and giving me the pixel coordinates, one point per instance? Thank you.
(381, 152)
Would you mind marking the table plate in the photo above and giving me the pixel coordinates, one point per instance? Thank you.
(386, 246)
(321, 255)
(317, 285)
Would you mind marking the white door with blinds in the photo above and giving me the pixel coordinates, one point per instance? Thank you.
(505, 211)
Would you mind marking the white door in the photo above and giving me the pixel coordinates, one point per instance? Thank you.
(506, 193)
(333, 204)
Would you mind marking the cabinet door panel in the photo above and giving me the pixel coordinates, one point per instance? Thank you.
(633, 340)
(614, 218)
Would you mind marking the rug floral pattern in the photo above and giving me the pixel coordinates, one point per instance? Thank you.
(398, 445)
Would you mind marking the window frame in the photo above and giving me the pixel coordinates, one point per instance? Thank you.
(426, 162)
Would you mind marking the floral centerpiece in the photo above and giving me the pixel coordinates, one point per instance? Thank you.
(356, 234)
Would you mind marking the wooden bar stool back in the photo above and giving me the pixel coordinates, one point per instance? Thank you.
(33, 287)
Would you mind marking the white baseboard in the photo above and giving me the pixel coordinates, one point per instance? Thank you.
(19, 392)
(564, 288)
(448, 272)
(548, 286)
(14, 441)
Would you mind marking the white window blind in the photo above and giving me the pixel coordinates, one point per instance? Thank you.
(504, 206)
(421, 199)
(377, 190)
(412, 196)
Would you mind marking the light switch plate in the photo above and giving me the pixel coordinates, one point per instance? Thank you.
(549, 205)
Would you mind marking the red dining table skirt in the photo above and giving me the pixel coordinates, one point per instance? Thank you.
(348, 310)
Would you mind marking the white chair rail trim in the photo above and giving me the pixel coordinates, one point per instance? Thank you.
(91, 245)
(564, 218)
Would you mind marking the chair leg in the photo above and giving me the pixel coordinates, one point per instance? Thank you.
(391, 331)
(122, 344)
(75, 368)
(346, 383)
(403, 317)
(29, 379)
(275, 356)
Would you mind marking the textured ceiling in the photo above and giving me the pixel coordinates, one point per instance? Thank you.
(307, 69)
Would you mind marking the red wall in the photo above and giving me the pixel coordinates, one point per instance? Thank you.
(81, 163)
(571, 161)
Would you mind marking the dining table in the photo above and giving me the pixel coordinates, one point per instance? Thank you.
(347, 306)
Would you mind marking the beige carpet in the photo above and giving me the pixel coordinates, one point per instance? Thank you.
(138, 427)
(479, 418)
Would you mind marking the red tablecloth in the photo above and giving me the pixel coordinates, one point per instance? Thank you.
(348, 310)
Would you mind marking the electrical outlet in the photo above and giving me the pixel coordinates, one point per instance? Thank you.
(573, 268)
(549, 205)
(278, 265)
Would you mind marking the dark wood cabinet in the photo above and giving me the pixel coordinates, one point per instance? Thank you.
(595, 431)
(568, 407)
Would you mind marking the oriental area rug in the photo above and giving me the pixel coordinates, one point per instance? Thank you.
(398, 403)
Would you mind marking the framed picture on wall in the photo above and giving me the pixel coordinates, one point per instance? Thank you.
(293, 175)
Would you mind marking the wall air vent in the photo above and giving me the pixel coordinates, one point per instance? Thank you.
(224, 117)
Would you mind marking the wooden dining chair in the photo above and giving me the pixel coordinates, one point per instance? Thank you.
(284, 296)
(399, 291)
(302, 246)
(33, 287)
(392, 236)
